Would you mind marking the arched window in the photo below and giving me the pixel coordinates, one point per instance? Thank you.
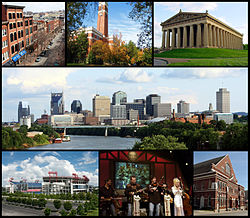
(11, 37)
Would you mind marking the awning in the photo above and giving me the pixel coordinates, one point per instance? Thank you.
(22, 53)
(16, 57)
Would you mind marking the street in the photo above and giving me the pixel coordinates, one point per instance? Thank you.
(55, 56)
(222, 213)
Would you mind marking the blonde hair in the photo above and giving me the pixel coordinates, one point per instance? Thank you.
(175, 180)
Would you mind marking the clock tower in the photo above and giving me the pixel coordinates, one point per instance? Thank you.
(102, 21)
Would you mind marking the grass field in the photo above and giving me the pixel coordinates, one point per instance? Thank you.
(198, 53)
(229, 62)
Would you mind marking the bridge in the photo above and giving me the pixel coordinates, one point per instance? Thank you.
(92, 127)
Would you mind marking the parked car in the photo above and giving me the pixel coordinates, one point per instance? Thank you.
(38, 59)
(48, 47)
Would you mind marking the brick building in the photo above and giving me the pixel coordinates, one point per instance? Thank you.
(18, 34)
(99, 33)
(216, 187)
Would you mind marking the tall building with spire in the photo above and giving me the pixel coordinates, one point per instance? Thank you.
(57, 104)
(23, 110)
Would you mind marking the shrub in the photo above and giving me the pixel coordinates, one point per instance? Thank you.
(63, 213)
(29, 201)
(34, 202)
(67, 205)
(80, 210)
(42, 202)
(72, 212)
(47, 211)
(57, 204)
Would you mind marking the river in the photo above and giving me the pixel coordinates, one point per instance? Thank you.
(92, 143)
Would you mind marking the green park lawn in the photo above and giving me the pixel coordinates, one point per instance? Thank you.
(207, 57)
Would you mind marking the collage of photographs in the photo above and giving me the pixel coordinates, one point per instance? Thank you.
(124, 108)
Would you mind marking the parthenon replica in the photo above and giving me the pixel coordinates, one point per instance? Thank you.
(198, 30)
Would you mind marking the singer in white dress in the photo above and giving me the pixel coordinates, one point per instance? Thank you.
(178, 203)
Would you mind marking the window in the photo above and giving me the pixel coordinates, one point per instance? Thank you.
(17, 15)
(10, 17)
(26, 23)
(21, 23)
(30, 30)
(16, 47)
(10, 26)
(15, 36)
(228, 169)
(14, 16)
(19, 34)
(30, 22)
(21, 15)
(5, 44)
(27, 31)
(31, 39)
(22, 44)
(11, 37)
(14, 25)
(5, 56)
(4, 32)
(12, 49)
(18, 24)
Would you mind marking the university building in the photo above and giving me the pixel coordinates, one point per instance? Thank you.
(215, 185)
(198, 30)
(99, 33)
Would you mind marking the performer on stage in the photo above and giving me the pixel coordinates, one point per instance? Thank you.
(131, 189)
(154, 194)
(165, 191)
(106, 195)
(178, 203)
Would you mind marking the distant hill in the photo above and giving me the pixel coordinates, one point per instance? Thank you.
(241, 113)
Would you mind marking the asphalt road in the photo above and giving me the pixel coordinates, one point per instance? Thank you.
(222, 213)
(158, 62)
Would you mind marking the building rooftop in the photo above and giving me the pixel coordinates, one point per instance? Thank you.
(14, 6)
(205, 166)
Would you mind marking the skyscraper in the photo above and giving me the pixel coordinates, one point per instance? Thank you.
(150, 101)
(101, 106)
(183, 107)
(57, 104)
(23, 110)
(76, 106)
(223, 100)
(119, 97)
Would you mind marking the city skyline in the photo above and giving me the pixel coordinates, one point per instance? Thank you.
(171, 84)
(233, 14)
(33, 165)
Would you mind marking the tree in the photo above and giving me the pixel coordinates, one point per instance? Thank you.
(57, 204)
(47, 211)
(67, 206)
(132, 52)
(158, 142)
(23, 130)
(142, 13)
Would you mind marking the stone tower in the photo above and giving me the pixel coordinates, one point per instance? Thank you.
(102, 21)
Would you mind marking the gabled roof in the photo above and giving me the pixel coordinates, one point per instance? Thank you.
(183, 15)
(206, 166)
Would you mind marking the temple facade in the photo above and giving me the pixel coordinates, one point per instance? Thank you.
(198, 30)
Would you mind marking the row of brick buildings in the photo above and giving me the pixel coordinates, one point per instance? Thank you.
(20, 33)
(215, 185)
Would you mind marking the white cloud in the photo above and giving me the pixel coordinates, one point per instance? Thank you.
(202, 73)
(188, 6)
(135, 75)
(39, 166)
(87, 159)
(33, 80)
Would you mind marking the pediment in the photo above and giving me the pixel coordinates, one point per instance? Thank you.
(182, 16)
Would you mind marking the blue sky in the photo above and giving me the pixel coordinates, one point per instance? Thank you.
(197, 86)
(118, 21)
(39, 6)
(34, 165)
(234, 14)
(239, 162)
